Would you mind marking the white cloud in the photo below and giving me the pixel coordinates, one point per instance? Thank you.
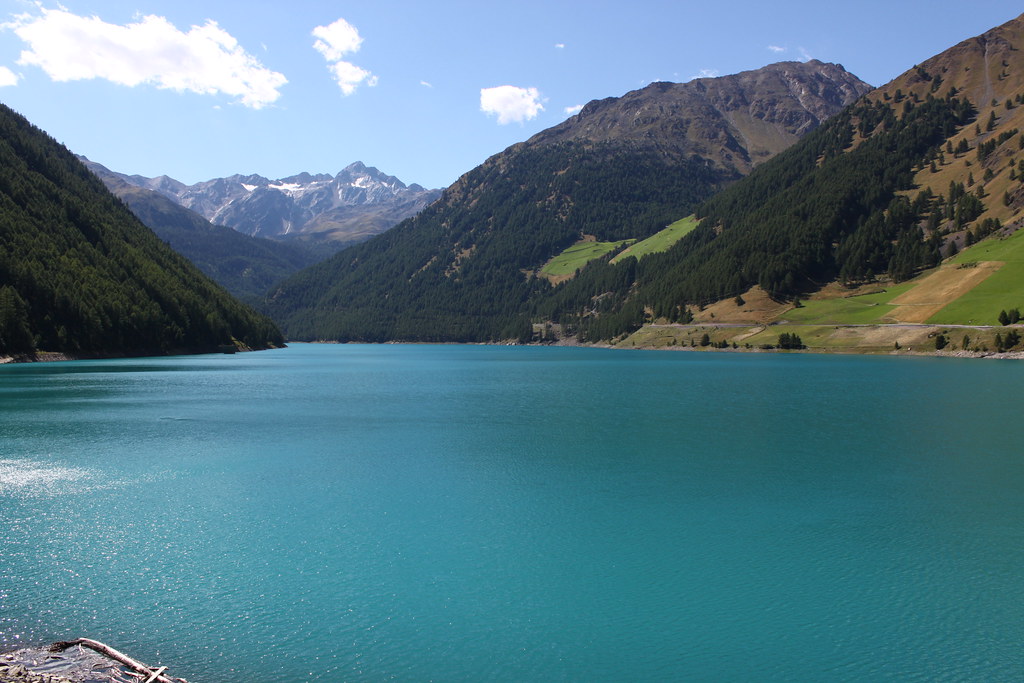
(707, 73)
(336, 40)
(426, 85)
(7, 77)
(560, 46)
(511, 103)
(349, 76)
(570, 111)
(205, 60)
(805, 55)
(776, 48)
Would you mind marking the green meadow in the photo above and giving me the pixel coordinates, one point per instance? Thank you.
(578, 255)
(1001, 291)
(853, 310)
(661, 240)
(581, 253)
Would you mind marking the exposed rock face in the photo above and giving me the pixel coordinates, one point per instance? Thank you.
(357, 203)
(735, 121)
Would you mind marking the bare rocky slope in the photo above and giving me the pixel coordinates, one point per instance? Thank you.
(735, 121)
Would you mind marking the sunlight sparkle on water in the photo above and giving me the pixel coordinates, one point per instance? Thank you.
(33, 477)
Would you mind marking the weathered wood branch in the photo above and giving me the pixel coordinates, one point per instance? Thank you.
(107, 651)
(156, 674)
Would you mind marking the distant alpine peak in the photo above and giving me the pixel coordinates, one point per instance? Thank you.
(361, 175)
(351, 184)
(357, 202)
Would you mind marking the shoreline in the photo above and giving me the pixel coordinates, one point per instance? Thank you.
(60, 356)
(36, 664)
(628, 343)
(81, 660)
(899, 339)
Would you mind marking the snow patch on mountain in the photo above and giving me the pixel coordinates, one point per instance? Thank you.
(357, 203)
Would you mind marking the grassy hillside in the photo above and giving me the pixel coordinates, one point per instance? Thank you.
(1003, 289)
(660, 241)
(566, 264)
(960, 301)
(569, 262)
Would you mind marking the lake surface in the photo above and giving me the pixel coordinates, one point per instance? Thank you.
(332, 513)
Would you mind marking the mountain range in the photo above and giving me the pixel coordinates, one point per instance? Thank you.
(346, 208)
(465, 268)
(244, 265)
(912, 188)
(789, 198)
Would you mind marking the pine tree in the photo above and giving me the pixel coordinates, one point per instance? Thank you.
(15, 336)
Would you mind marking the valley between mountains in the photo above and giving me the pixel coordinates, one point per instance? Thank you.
(793, 206)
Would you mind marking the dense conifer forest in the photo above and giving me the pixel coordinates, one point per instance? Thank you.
(397, 287)
(827, 208)
(79, 274)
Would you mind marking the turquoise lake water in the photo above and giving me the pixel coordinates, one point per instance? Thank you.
(464, 513)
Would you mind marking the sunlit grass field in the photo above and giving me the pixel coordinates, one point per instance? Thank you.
(660, 241)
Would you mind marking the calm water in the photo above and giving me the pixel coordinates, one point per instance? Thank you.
(421, 513)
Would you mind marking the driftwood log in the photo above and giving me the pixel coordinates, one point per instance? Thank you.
(155, 675)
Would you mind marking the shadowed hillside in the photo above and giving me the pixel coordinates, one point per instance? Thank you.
(79, 274)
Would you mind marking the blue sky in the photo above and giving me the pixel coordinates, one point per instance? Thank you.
(422, 90)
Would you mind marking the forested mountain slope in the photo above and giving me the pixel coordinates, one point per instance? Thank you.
(80, 274)
(916, 171)
(464, 269)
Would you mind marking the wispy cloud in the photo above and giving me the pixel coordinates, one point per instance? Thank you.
(560, 46)
(426, 84)
(206, 59)
(336, 40)
(776, 48)
(707, 73)
(511, 104)
(7, 77)
(571, 111)
(805, 55)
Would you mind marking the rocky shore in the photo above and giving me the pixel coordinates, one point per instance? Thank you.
(76, 665)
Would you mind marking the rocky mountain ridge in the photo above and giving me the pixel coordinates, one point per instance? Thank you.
(357, 203)
(737, 121)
